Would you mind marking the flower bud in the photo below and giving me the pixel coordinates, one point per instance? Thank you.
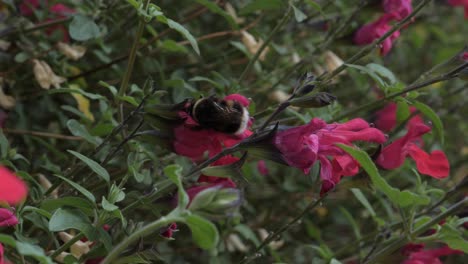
(215, 201)
(314, 101)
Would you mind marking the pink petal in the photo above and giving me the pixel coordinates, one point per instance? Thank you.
(262, 168)
(7, 218)
(239, 98)
(12, 189)
(434, 164)
(393, 155)
(1, 254)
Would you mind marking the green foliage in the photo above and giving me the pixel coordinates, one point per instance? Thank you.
(106, 143)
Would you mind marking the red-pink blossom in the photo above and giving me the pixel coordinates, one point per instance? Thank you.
(56, 11)
(463, 3)
(262, 168)
(372, 31)
(7, 218)
(12, 189)
(193, 142)
(393, 156)
(386, 118)
(465, 56)
(399, 8)
(429, 256)
(2, 260)
(302, 146)
(169, 231)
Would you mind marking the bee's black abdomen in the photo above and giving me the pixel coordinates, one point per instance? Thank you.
(220, 115)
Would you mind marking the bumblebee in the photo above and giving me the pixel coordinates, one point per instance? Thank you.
(227, 116)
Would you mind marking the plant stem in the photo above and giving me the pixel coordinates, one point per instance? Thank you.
(282, 229)
(373, 105)
(67, 245)
(143, 232)
(267, 41)
(405, 239)
(368, 49)
(130, 64)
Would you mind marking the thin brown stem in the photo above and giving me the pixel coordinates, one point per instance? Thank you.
(40, 134)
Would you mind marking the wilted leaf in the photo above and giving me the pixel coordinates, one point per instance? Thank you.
(45, 76)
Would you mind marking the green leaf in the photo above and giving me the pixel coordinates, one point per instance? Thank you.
(382, 71)
(226, 171)
(79, 188)
(26, 249)
(78, 91)
(315, 6)
(182, 30)
(401, 198)
(170, 45)
(174, 173)
(204, 233)
(363, 200)
(116, 194)
(79, 130)
(429, 113)
(64, 219)
(298, 14)
(42, 212)
(106, 205)
(261, 5)
(213, 7)
(7, 240)
(4, 145)
(352, 221)
(83, 28)
(369, 72)
(403, 111)
(84, 205)
(98, 169)
(335, 261)
(453, 238)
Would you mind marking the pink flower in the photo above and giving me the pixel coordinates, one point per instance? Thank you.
(302, 146)
(2, 260)
(429, 256)
(370, 32)
(12, 189)
(463, 3)
(386, 117)
(464, 56)
(434, 164)
(7, 218)
(262, 168)
(27, 6)
(399, 8)
(56, 11)
(169, 231)
(193, 142)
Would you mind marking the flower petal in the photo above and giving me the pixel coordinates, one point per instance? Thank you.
(7, 218)
(434, 164)
(12, 189)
